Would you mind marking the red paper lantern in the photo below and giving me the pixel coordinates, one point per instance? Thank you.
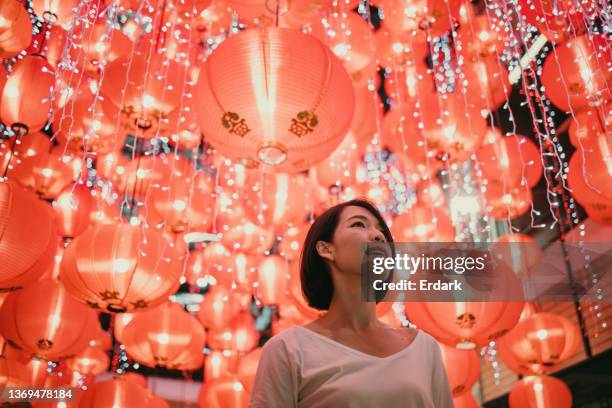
(29, 84)
(151, 92)
(240, 335)
(597, 206)
(252, 109)
(54, 11)
(218, 363)
(421, 224)
(19, 370)
(576, 75)
(425, 18)
(293, 240)
(241, 233)
(540, 392)
(247, 368)
(538, 344)
(558, 20)
(218, 308)
(35, 143)
(338, 170)
(117, 392)
(165, 336)
(28, 239)
(367, 116)
(507, 203)
(587, 125)
(224, 392)
(73, 210)
(44, 321)
(120, 268)
(272, 277)
(15, 28)
(481, 38)
(462, 369)
(91, 361)
(465, 324)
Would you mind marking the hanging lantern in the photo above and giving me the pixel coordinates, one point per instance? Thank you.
(55, 11)
(44, 321)
(240, 335)
(73, 208)
(558, 20)
(28, 239)
(19, 370)
(247, 368)
(576, 75)
(596, 154)
(117, 392)
(36, 143)
(151, 92)
(538, 344)
(421, 224)
(597, 206)
(241, 233)
(425, 18)
(215, 19)
(482, 37)
(29, 84)
(507, 203)
(218, 308)
(91, 361)
(368, 114)
(120, 268)
(286, 115)
(272, 277)
(291, 245)
(338, 170)
(219, 363)
(486, 83)
(540, 392)
(165, 336)
(590, 125)
(462, 369)
(465, 324)
(15, 28)
(224, 392)
(121, 320)
(509, 160)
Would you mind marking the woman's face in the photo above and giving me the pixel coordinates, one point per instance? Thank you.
(356, 227)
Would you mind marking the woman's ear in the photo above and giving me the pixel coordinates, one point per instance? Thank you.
(325, 251)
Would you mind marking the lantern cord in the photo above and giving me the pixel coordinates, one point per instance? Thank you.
(161, 22)
(11, 154)
(277, 12)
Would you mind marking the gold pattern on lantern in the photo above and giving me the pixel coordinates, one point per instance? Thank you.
(304, 123)
(235, 124)
(466, 320)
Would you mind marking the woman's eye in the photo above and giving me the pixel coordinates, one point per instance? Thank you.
(359, 223)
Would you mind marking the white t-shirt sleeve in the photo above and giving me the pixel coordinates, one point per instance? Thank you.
(440, 388)
(276, 380)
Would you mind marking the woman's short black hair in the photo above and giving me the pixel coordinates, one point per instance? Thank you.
(317, 284)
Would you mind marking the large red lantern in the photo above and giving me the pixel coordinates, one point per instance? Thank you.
(152, 90)
(120, 322)
(15, 28)
(91, 361)
(29, 84)
(224, 392)
(240, 335)
(465, 324)
(17, 369)
(538, 344)
(247, 368)
(481, 38)
(462, 368)
(597, 206)
(117, 392)
(273, 273)
(166, 336)
(28, 239)
(44, 321)
(540, 392)
(507, 203)
(218, 308)
(274, 98)
(218, 363)
(73, 210)
(120, 268)
(576, 75)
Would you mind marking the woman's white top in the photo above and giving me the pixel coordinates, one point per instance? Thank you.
(302, 368)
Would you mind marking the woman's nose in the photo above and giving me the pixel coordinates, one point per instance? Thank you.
(379, 236)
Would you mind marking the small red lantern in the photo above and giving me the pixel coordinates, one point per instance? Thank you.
(73, 210)
(272, 274)
(540, 392)
(15, 28)
(224, 392)
(462, 368)
(91, 361)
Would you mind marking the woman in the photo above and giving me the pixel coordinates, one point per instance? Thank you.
(347, 358)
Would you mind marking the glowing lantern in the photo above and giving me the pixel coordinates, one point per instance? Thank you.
(117, 392)
(272, 277)
(558, 20)
(219, 363)
(72, 210)
(596, 154)
(240, 335)
(597, 206)
(224, 392)
(166, 336)
(29, 84)
(487, 84)
(338, 170)
(368, 113)
(426, 18)
(520, 252)
(590, 125)
(91, 361)
(421, 224)
(241, 233)
(540, 392)
(218, 308)
(120, 322)
(214, 19)
(11, 152)
(28, 239)
(247, 367)
(54, 11)
(395, 50)
(250, 108)
(44, 321)
(538, 344)
(120, 268)
(277, 199)
(293, 240)
(507, 203)
(482, 37)
(509, 160)
(15, 28)
(101, 44)
(102, 339)
(152, 90)
(15, 367)
(462, 368)
(577, 74)
(465, 324)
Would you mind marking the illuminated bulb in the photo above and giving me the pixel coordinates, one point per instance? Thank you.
(538, 387)
(238, 386)
(47, 172)
(341, 50)
(141, 173)
(121, 265)
(179, 205)
(483, 36)
(542, 334)
(420, 230)
(163, 338)
(148, 102)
